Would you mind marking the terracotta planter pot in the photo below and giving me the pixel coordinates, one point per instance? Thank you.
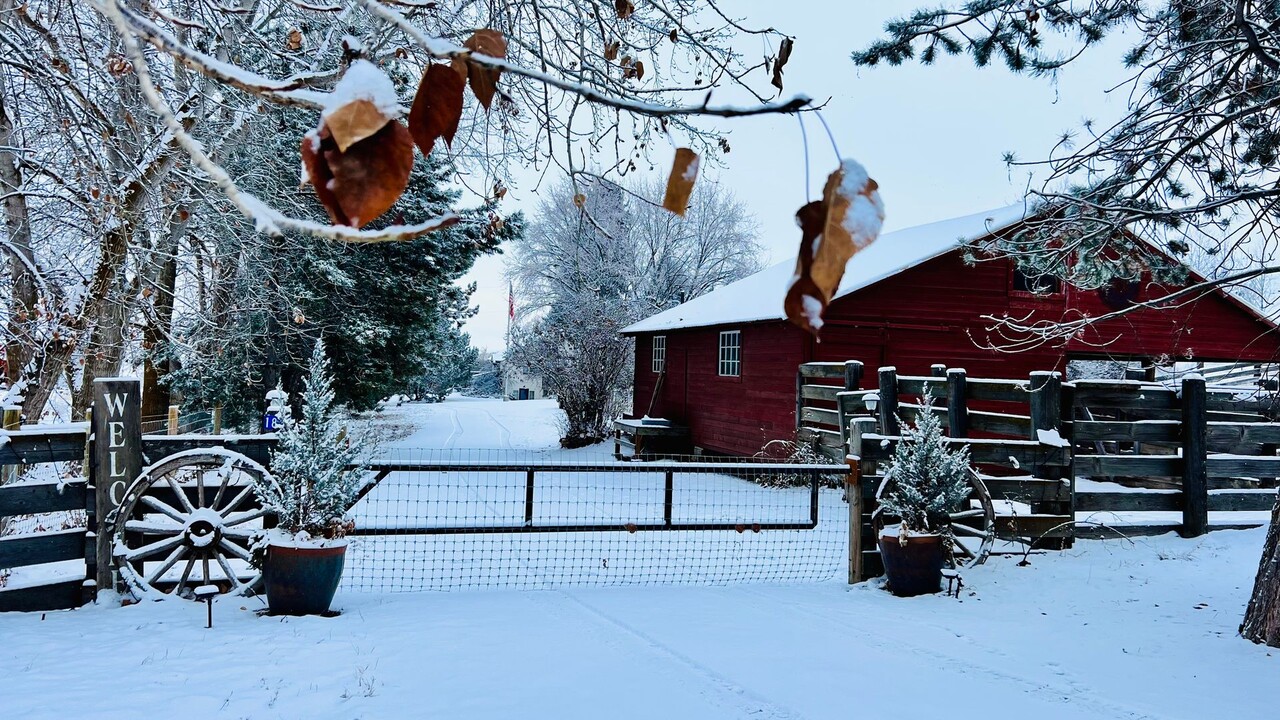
(302, 580)
(914, 568)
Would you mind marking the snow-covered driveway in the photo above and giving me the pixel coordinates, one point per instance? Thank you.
(462, 423)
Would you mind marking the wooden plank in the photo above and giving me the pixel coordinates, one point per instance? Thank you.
(1110, 531)
(988, 390)
(998, 452)
(1034, 526)
(825, 438)
(1129, 501)
(40, 548)
(914, 385)
(1241, 500)
(57, 596)
(1018, 426)
(1027, 489)
(28, 498)
(830, 370)
(28, 447)
(819, 415)
(1234, 466)
(820, 392)
(1127, 466)
(1101, 394)
(1227, 403)
(1115, 430)
(256, 447)
(1234, 434)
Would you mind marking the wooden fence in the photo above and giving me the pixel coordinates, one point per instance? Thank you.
(1142, 451)
(73, 444)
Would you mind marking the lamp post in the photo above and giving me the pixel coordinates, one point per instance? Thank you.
(872, 401)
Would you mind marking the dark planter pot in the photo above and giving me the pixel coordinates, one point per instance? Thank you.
(914, 568)
(302, 580)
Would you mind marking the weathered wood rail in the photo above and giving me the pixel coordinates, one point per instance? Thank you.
(1208, 450)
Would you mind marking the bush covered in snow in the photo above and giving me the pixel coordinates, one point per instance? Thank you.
(926, 478)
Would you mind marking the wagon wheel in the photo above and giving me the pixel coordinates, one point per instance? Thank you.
(972, 530)
(188, 521)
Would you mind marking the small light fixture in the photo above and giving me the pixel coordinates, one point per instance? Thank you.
(872, 401)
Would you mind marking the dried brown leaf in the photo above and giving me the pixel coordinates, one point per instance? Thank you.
(354, 121)
(483, 79)
(437, 108)
(362, 183)
(833, 230)
(294, 42)
(611, 50)
(579, 200)
(684, 172)
(674, 35)
(624, 8)
(784, 54)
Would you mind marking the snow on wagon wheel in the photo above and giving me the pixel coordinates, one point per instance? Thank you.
(972, 527)
(189, 520)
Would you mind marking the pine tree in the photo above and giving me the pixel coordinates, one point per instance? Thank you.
(313, 485)
(926, 479)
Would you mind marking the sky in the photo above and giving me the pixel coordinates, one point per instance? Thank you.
(932, 137)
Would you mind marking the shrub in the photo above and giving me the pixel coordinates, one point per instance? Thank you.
(926, 478)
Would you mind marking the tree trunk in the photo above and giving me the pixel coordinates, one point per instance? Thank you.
(19, 346)
(1262, 617)
(156, 396)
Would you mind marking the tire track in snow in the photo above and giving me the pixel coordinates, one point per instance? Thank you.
(1073, 693)
(504, 433)
(452, 440)
(681, 668)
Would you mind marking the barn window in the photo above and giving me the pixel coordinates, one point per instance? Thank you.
(731, 353)
(659, 353)
(1035, 284)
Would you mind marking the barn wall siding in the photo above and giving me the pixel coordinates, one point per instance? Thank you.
(928, 314)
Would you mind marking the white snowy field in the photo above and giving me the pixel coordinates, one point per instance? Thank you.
(1110, 629)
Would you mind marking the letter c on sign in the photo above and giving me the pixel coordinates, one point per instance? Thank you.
(116, 492)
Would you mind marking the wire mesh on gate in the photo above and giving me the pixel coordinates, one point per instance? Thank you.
(440, 519)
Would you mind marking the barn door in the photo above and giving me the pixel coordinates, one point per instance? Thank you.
(675, 391)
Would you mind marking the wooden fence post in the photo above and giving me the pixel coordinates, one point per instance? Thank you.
(117, 458)
(957, 405)
(216, 420)
(889, 401)
(799, 399)
(12, 421)
(1195, 456)
(172, 424)
(853, 491)
(938, 370)
(1046, 402)
(852, 375)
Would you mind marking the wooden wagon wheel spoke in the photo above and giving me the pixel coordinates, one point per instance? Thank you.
(966, 514)
(162, 507)
(182, 496)
(222, 487)
(154, 548)
(966, 530)
(226, 568)
(246, 517)
(169, 562)
(151, 528)
(202, 531)
(236, 550)
(235, 502)
(186, 575)
(963, 549)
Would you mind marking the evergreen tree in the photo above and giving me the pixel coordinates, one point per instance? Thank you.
(313, 487)
(450, 361)
(926, 479)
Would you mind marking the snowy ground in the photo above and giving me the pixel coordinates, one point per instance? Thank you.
(1110, 629)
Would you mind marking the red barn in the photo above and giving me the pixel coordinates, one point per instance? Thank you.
(910, 301)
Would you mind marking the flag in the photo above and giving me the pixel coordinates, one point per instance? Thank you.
(511, 301)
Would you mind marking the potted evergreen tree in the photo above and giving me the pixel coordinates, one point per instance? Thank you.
(312, 485)
(924, 482)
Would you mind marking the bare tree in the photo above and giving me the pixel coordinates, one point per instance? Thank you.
(594, 261)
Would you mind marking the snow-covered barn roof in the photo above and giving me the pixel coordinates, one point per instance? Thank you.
(759, 297)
